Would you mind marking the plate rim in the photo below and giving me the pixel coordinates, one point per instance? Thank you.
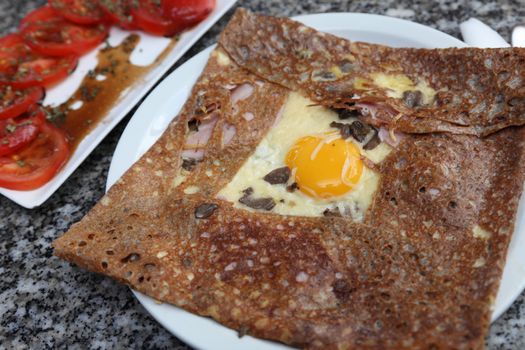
(384, 18)
(143, 299)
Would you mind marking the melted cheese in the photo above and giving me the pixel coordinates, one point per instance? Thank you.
(221, 57)
(480, 233)
(397, 84)
(300, 119)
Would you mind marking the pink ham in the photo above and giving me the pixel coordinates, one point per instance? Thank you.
(228, 132)
(193, 154)
(393, 138)
(379, 114)
(369, 110)
(248, 116)
(241, 92)
(199, 139)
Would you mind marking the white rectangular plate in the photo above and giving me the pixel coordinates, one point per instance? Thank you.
(144, 54)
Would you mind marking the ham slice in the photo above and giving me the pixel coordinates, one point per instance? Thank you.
(391, 137)
(248, 116)
(228, 132)
(199, 139)
(241, 92)
(197, 154)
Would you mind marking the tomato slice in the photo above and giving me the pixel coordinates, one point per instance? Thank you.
(44, 71)
(20, 67)
(119, 12)
(16, 133)
(149, 17)
(12, 49)
(37, 163)
(79, 11)
(48, 33)
(187, 12)
(43, 13)
(14, 102)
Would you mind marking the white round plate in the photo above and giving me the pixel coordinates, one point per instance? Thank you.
(164, 103)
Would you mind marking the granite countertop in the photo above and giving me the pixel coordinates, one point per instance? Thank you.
(48, 303)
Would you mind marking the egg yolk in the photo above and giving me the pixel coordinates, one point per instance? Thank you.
(324, 166)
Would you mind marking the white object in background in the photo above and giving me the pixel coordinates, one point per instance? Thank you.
(518, 36)
(477, 34)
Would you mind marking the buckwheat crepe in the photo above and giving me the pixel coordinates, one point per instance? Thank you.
(419, 271)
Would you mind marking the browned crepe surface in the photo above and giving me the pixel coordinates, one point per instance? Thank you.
(413, 276)
(480, 91)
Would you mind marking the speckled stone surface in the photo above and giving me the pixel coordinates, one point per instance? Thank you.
(47, 303)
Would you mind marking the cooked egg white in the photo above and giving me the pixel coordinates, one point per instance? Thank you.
(300, 119)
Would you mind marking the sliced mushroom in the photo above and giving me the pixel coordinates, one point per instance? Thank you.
(344, 129)
(413, 98)
(373, 142)
(278, 176)
(266, 203)
(205, 210)
(344, 113)
(332, 212)
(190, 163)
(248, 191)
(359, 130)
